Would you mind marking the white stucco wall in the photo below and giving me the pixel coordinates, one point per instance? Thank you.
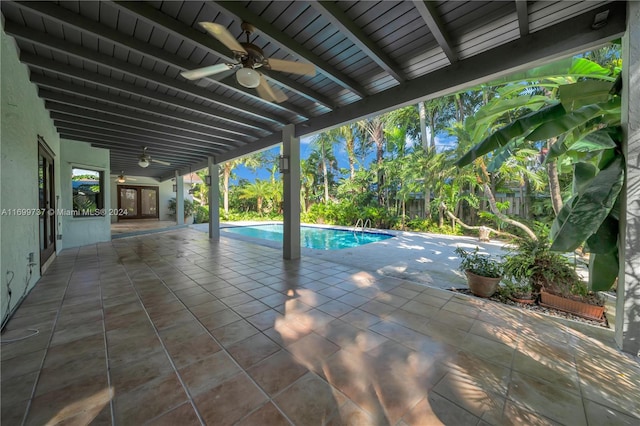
(165, 192)
(80, 231)
(22, 118)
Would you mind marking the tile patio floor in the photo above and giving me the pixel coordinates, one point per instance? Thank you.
(170, 329)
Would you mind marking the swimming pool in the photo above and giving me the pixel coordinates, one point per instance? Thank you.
(312, 237)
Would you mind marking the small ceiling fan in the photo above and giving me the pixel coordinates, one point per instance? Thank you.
(122, 179)
(249, 57)
(145, 160)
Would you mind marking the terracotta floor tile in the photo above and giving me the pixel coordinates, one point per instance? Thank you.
(250, 308)
(16, 389)
(252, 350)
(73, 333)
(134, 349)
(72, 371)
(21, 365)
(267, 415)
(23, 347)
(207, 308)
(183, 415)
(138, 317)
(198, 299)
(127, 377)
(149, 401)
(191, 350)
(312, 351)
(172, 318)
(540, 396)
(436, 410)
(208, 372)
(181, 332)
(91, 393)
(264, 320)
(276, 372)
(601, 415)
(229, 401)
(236, 299)
(335, 308)
(310, 400)
(219, 319)
(236, 331)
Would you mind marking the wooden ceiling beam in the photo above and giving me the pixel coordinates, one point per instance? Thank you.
(331, 12)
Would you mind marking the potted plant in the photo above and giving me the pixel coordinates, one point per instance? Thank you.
(552, 276)
(519, 291)
(189, 209)
(483, 273)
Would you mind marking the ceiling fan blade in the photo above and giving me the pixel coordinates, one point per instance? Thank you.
(224, 36)
(292, 67)
(270, 93)
(206, 71)
(164, 163)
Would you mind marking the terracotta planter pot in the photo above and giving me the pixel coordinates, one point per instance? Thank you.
(575, 307)
(482, 286)
(524, 301)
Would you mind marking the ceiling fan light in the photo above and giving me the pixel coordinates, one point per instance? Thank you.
(248, 77)
(121, 179)
(143, 162)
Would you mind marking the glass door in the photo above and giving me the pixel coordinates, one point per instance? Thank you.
(140, 202)
(46, 204)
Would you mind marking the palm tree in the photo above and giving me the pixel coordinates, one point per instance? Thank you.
(323, 145)
(250, 161)
(374, 129)
(258, 190)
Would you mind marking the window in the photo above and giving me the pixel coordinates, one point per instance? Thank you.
(88, 194)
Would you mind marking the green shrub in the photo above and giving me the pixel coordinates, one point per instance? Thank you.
(201, 215)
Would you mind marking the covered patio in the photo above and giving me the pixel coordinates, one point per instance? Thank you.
(172, 329)
(181, 326)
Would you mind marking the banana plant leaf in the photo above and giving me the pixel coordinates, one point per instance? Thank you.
(605, 240)
(552, 128)
(583, 174)
(584, 213)
(576, 95)
(486, 116)
(582, 140)
(603, 270)
(513, 130)
(502, 154)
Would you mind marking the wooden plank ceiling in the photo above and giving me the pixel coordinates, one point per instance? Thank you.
(109, 71)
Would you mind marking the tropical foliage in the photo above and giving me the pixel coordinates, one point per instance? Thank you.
(539, 150)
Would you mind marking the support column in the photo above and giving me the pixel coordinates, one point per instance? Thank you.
(291, 195)
(179, 199)
(214, 202)
(628, 301)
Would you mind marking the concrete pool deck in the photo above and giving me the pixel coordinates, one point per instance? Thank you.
(415, 256)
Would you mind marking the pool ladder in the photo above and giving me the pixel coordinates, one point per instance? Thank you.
(362, 224)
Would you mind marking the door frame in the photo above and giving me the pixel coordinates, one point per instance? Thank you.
(47, 205)
(139, 189)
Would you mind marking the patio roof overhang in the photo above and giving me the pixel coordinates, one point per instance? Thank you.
(108, 72)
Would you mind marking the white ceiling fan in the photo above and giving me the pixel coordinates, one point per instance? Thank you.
(249, 57)
(122, 178)
(145, 160)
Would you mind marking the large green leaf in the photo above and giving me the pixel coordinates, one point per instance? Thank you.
(583, 174)
(605, 240)
(584, 213)
(569, 121)
(583, 93)
(502, 154)
(603, 270)
(513, 130)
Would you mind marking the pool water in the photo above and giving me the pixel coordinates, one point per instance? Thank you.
(312, 237)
